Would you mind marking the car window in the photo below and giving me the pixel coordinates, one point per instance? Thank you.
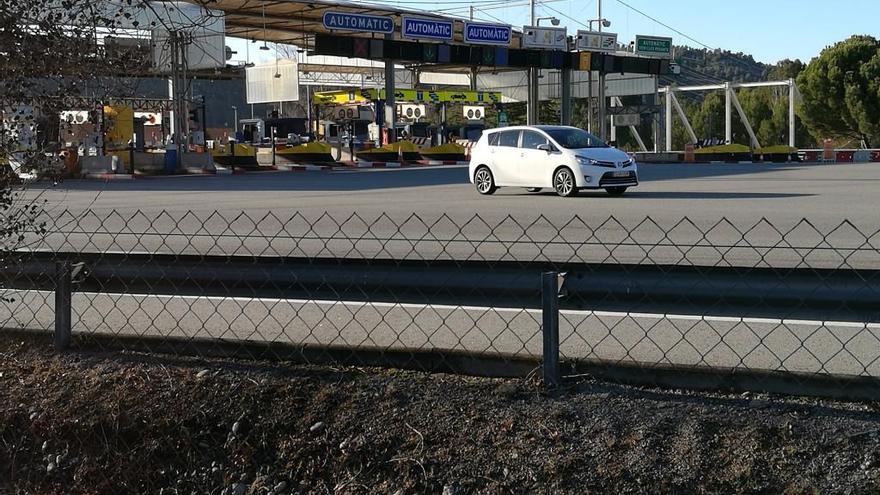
(493, 138)
(508, 138)
(572, 138)
(531, 140)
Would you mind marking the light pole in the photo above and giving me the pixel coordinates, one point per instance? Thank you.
(235, 122)
(537, 71)
(534, 98)
(601, 93)
(553, 20)
(602, 23)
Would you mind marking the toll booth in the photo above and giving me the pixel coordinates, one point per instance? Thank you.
(421, 113)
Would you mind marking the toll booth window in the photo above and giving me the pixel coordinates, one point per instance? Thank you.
(508, 139)
(493, 138)
(531, 140)
(420, 131)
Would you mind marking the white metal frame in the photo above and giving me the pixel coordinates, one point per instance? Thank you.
(730, 102)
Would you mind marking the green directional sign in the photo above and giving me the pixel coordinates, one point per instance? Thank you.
(657, 46)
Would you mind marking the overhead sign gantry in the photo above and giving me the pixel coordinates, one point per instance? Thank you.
(409, 95)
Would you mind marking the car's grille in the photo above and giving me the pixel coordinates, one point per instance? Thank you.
(608, 179)
(606, 164)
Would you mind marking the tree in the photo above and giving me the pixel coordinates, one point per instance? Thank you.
(841, 90)
(58, 55)
(708, 121)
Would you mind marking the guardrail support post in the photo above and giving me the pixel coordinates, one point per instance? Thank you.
(63, 293)
(550, 329)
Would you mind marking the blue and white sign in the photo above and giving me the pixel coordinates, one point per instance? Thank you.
(486, 34)
(419, 28)
(343, 21)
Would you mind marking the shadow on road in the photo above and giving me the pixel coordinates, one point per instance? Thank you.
(710, 195)
(674, 171)
(686, 195)
(354, 180)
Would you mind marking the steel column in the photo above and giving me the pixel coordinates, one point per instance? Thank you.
(728, 115)
(603, 125)
(390, 104)
(63, 302)
(792, 90)
(566, 96)
(668, 119)
(550, 327)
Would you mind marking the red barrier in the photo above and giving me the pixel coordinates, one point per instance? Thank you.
(875, 156)
(845, 156)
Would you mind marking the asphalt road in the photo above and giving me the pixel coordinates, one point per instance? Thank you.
(826, 194)
(702, 214)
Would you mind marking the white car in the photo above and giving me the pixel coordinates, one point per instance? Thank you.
(566, 159)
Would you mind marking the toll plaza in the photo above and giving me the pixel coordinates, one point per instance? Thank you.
(420, 119)
(472, 66)
(428, 44)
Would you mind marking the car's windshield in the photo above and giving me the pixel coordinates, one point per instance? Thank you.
(574, 139)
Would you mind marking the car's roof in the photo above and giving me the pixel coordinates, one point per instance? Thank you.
(544, 128)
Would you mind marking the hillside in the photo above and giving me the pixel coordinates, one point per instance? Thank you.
(702, 66)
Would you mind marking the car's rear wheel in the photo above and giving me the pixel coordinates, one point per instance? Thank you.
(564, 183)
(484, 181)
(615, 191)
(533, 189)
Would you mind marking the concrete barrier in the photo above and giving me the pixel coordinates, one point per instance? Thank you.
(197, 161)
(96, 164)
(661, 157)
(149, 162)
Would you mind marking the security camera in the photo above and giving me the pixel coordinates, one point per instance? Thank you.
(554, 21)
(606, 23)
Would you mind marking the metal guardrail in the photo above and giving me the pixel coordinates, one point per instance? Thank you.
(850, 294)
(697, 291)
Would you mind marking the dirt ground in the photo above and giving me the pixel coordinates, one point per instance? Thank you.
(85, 422)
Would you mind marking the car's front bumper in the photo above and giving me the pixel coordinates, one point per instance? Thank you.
(598, 177)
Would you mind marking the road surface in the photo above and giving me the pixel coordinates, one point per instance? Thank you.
(700, 214)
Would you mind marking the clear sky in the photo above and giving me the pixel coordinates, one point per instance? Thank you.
(769, 30)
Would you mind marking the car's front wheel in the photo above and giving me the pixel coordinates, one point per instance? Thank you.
(484, 181)
(564, 183)
(615, 191)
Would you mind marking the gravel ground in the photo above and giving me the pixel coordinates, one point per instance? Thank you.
(86, 422)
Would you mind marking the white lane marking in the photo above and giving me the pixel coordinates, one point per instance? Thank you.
(530, 311)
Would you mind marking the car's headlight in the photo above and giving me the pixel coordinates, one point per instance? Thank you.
(586, 161)
(629, 162)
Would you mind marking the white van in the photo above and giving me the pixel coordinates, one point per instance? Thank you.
(566, 159)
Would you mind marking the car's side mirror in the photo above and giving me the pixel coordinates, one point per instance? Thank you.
(545, 147)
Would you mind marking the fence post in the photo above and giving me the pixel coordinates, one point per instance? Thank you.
(550, 328)
(63, 289)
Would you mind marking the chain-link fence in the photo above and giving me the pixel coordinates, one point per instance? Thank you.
(786, 308)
